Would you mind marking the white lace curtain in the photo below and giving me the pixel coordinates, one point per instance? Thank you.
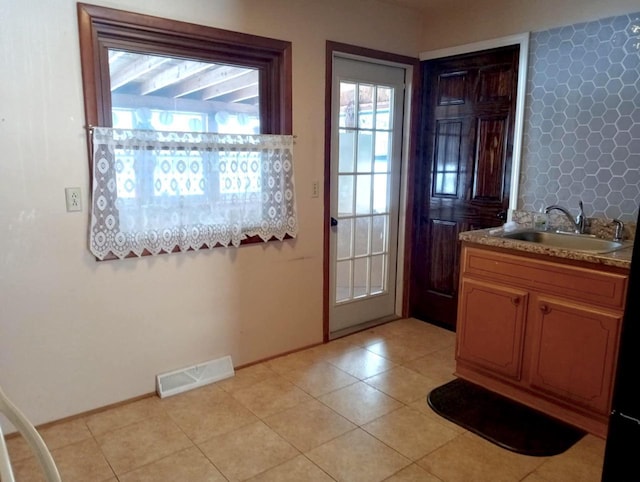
(156, 191)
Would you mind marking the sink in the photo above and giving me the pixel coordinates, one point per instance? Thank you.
(579, 242)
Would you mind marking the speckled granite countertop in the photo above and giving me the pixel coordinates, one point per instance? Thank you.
(492, 237)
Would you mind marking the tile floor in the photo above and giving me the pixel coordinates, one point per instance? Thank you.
(352, 410)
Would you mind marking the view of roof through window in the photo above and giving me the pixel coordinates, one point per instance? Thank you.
(169, 93)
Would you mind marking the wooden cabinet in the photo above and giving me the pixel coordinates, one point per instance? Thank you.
(541, 332)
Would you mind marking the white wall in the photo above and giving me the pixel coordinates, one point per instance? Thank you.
(76, 334)
(461, 22)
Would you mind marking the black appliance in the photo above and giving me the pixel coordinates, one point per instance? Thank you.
(622, 453)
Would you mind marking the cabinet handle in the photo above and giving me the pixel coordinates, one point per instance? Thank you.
(545, 309)
(515, 300)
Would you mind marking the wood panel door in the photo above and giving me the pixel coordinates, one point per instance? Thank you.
(464, 170)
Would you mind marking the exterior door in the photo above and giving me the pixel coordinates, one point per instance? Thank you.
(367, 119)
(464, 171)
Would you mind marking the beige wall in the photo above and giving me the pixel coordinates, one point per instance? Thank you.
(76, 334)
(460, 22)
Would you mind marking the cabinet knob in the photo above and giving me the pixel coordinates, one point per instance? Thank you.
(545, 309)
(515, 300)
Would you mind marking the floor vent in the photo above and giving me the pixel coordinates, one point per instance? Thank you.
(178, 381)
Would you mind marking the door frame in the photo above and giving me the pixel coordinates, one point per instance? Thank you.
(409, 147)
(523, 41)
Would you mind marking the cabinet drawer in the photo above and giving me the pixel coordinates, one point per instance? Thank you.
(582, 284)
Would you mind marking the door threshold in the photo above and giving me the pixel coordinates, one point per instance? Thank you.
(361, 327)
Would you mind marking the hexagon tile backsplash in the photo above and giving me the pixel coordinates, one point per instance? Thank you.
(582, 119)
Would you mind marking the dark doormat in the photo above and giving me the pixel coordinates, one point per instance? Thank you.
(502, 421)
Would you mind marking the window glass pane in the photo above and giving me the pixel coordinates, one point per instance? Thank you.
(383, 107)
(360, 277)
(363, 194)
(345, 195)
(383, 149)
(175, 94)
(365, 106)
(347, 104)
(365, 148)
(381, 193)
(345, 236)
(379, 234)
(362, 236)
(343, 280)
(346, 150)
(378, 269)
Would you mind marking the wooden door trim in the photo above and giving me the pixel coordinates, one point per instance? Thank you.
(406, 204)
(523, 41)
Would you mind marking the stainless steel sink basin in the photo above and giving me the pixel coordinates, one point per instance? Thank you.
(579, 242)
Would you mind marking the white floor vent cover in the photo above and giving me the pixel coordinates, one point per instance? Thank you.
(178, 381)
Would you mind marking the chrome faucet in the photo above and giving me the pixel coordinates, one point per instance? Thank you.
(619, 233)
(579, 223)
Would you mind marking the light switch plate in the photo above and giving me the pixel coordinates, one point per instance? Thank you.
(72, 195)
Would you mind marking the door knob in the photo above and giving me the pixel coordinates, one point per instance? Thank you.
(334, 222)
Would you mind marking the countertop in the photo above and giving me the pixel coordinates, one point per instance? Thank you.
(492, 237)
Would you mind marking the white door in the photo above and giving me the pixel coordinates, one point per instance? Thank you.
(366, 142)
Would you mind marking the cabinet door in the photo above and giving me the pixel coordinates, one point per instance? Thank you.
(574, 350)
(491, 326)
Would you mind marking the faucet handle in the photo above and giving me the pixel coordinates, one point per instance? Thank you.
(619, 232)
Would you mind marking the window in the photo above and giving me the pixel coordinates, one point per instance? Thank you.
(183, 82)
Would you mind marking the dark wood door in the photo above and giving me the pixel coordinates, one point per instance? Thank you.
(464, 171)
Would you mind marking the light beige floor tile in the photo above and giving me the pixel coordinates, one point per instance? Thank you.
(208, 394)
(398, 349)
(18, 448)
(361, 363)
(469, 457)
(360, 403)
(27, 470)
(309, 424)
(124, 415)
(413, 473)
(410, 433)
(582, 462)
(436, 372)
(332, 349)
(423, 407)
(357, 456)
(319, 378)
(270, 396)
(138, 444)
(81, 462)
(187, 465)
(65, 433)
(204, 418)
(298, 469)
(294, 361)
(367, 337)
(248, 451)
(402, 384)
(246, 377)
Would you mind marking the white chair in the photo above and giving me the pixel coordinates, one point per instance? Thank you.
(32, 437)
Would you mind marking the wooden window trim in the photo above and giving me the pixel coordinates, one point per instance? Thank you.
(101, 28)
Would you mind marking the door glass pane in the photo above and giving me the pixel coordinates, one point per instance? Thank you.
(381, 193)
(365, 150)
(360, 277)
(346, 152)
(382, 150)
(378, 234)
(345, 230)
(343, 280)
(383, 104)
(347, 104)
(363, 194)
(378, 274)
(365, 106)
(362, 236)
(345, 195)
